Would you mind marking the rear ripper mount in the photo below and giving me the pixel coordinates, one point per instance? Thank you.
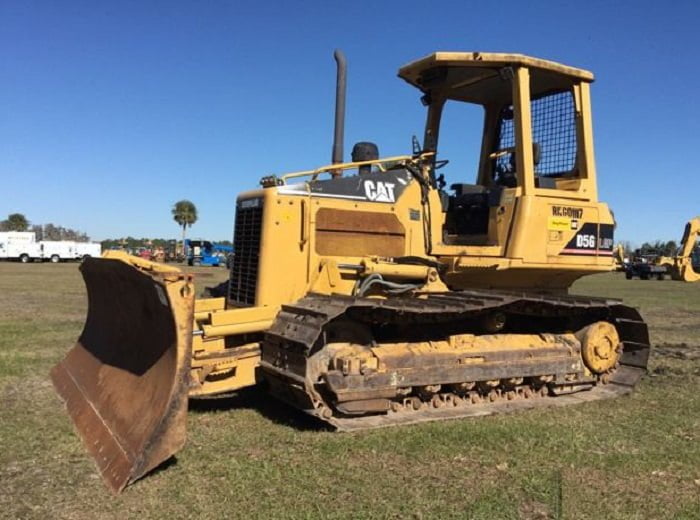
(348, 362)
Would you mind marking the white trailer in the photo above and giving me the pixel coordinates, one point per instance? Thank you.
(19, 245)
(85, 250)
(57, 250)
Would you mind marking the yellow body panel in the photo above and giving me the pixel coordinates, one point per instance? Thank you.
(411, 72)
(316, 238)
(385, 238)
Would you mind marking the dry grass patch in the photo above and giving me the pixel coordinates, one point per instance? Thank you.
(248, 456)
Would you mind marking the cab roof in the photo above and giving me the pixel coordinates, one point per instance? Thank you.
(476, 76)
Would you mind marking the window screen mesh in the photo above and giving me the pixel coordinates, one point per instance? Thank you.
(553, 129)
(506, 139)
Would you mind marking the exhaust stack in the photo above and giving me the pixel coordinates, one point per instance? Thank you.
(341, 83)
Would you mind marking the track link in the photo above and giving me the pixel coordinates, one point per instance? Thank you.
(296, 342)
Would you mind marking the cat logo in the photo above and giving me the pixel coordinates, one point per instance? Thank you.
(379, 191)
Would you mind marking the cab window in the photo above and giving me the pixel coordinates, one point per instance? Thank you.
(554, 143)
(554, 133)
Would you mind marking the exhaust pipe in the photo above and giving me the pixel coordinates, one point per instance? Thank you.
(341, 83)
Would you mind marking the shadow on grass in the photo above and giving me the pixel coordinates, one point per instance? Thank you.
(144, 479)
(256, 398)
(167, 463)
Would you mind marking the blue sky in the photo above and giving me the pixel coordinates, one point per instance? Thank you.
(112, 111)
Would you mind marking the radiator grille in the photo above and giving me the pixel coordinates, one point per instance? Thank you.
(246, 248)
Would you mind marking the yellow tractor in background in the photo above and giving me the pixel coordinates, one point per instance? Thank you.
(368, 293)
(685, 266)
(619, 259)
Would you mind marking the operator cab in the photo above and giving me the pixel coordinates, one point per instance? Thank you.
(534, 141)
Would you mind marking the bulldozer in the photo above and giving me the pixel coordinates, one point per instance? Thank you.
(369, 293)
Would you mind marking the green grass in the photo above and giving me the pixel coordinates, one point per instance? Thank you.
(250, 457)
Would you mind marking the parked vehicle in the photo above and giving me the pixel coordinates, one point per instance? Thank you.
(55, 251)
(645, 267)
(203, 252)
(683, 266)
(85, 250)
(19, 245)
(23, 246)
(686, 263)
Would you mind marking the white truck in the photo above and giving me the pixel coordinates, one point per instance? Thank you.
(57, 250)
(22, 246)
(85, 250)
(67, 250)
(19, 245)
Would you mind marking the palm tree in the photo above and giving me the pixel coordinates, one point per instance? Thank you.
(185, 214)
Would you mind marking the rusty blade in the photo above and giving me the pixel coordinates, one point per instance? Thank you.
(125, 381)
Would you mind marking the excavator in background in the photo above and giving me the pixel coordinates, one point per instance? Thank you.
(686, 263)
(369, 293)
(684, 266)
(619, 259)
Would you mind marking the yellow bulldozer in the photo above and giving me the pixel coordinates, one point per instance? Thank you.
(369, 293)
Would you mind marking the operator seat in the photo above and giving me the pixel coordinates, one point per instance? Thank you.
(506, 176)
(469, 207)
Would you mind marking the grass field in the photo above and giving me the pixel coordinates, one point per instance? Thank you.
(249, 457)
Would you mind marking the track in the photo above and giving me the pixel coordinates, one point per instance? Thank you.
(295, 346)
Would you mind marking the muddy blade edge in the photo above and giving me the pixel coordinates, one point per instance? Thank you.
(125, 381)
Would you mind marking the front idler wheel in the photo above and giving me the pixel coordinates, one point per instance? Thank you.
(600, 346)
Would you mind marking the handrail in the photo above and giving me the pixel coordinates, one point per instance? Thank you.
(331, 168)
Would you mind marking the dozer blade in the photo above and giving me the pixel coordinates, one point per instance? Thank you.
(125, 381)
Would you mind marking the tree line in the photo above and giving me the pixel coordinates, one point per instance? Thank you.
(658, 247)
(18, 222)
(184, 213)
(133, 243)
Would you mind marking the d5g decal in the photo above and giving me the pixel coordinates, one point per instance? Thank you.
(591, 239)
